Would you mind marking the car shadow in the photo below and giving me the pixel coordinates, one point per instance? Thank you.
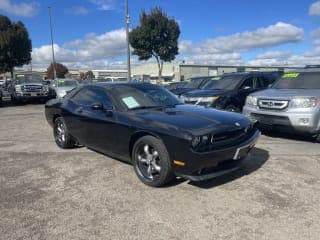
(252, 163)
(288, 135)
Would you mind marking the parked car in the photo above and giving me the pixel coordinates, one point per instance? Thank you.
(292, 104)
(229, 91)
(5, 85)
(148, 126)
(59, 87)
(175, 85)
(28, 87)
(193, 83)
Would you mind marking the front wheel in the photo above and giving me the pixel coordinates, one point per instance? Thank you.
(151, 162)
(61, 134)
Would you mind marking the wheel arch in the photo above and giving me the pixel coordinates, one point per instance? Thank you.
(138, 135)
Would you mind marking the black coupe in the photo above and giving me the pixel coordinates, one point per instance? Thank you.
(148, 126)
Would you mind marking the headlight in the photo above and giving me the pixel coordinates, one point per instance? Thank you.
(304, 102)
(45, 88)
(208, 99)
(19, 88)
(251, 100)
(200, 141)
(61, 94)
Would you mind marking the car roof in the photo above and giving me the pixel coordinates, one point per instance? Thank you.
(110, 85)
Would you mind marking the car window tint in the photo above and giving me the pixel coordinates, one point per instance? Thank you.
(247, 83)
(87, 97)
(263, 82)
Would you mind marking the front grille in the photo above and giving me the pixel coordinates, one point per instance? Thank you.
(226, 139)
(33, 88)
(273, 104)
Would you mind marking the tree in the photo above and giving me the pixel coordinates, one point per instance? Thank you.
(89, 75)
(61, 70)
(157, 36)
(15, 45)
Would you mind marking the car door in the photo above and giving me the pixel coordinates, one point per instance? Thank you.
(100, 122)
(247, 87)
(74, 117)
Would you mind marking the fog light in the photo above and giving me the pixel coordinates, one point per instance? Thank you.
(304, 121)
(179, 163)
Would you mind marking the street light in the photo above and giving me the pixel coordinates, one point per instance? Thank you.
(127, 39)
(53, 60)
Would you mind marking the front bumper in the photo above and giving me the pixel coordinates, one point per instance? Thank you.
(304, 120)
(202, 166)
(31, 95)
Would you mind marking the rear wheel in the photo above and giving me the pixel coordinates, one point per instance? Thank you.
(61, 134)
(232, 108)
(151, 161)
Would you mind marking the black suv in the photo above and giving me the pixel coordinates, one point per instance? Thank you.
(229, 91)
(193, 83)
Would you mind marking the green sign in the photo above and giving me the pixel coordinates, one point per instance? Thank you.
(290, 75)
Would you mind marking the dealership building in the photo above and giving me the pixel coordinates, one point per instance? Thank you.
(170, 72)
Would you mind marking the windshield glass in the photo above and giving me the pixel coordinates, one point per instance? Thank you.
(67, 83)
(210, 84)
(29, 79)
(131, 97)
(194, 83)
(225, 82)
(305, 80)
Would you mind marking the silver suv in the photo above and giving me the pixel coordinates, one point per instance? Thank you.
(292, 103)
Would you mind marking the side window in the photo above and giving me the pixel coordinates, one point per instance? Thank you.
(88, 96)
(247, 83)
(263, 82)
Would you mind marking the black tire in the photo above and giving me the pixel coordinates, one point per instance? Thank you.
(232, 108)
(154, 172)
(317, 138)
(61, 134)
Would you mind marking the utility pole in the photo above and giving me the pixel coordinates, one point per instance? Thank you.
(53, 60)
(127, 38)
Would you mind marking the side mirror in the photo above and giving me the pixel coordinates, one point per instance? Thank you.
(99, 107)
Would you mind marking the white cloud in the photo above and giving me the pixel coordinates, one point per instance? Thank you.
(315, 33)
(77, 10)
(22, 9)
(274, 54)
(315, 9)
(104, 5)
(93, 51)
(273, 35)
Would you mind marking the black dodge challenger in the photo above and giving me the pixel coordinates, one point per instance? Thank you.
(148, 126)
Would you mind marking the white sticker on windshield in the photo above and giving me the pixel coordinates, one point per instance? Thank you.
(130, 102)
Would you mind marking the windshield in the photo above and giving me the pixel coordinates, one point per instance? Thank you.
(132, 97)
(67, 83)
(304, 80)
(29, 79)
(225, 82)
(194, 83)
(210, 84)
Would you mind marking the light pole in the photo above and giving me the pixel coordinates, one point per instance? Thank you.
(127, 38)
(53, 60)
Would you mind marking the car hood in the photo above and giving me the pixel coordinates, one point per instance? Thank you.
(205, 93)
(287, 93)
(64, 89)
(30, 84)
(193, 119)
(180, 91)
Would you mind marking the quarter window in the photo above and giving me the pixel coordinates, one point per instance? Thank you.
(89, 96)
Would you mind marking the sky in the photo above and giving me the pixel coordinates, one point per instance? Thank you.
(90, 34)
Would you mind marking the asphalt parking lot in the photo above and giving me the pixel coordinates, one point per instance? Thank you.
(49, 193)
